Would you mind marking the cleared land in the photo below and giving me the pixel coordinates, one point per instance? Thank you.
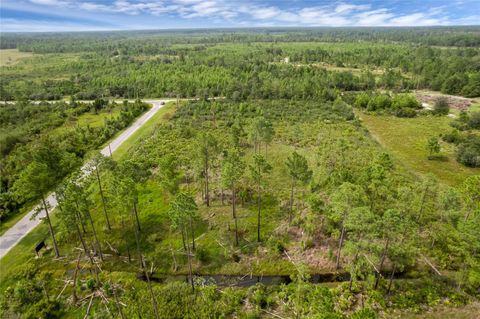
(12, 56)
(406, 139)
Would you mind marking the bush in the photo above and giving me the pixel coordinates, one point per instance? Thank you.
(276, 246)
(459, 125)
(91, 284)
(402, 101)
(472, 89)
(474, 120)
(405, 112)
(343, 109)
(453, 137)
(468, 153)
(365, 313)
(203, 254)
(27, 298)
(441, 106)
(259, 296)
(362, 100)
(380, 102)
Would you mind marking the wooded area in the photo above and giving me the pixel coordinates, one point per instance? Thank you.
(265, 197)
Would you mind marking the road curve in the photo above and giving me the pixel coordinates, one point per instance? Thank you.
(12, 236)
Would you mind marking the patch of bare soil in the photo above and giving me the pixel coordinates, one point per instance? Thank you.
(458, 102)
(314, 252)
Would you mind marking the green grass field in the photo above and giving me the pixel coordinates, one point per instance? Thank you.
(10, 57)
(406, 139)
(475, 107)
(88, 119)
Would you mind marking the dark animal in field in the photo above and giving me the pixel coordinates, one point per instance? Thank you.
(39, 246)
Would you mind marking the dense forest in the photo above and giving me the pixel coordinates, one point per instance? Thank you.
(101, 41)
(123, 65)
(296, 173)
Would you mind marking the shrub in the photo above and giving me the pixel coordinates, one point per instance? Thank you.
(259, 296)
(308, 244)
(472, 89)
(459, 125)
(474, 120)
(468, 153)
(365, 313)
(362, 100)
(343, 109)
(276, 246)
(441, 106)
(433, 146)
(401, 101)
(380, 102)
(91, 284)
(405, 112)
(202, 254)
(453, 137)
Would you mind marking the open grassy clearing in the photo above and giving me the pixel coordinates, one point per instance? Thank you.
(10, 57)
(88, 119)
(406, 139)
(41, 66)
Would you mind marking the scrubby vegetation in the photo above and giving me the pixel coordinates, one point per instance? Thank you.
(401, 105)
(53, 135)
(319, 211)
(310, 188)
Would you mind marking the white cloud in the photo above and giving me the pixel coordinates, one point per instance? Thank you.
(468, 20)
(16, 25)
(255, 13)
(415, 19)
(344, 8)
(50, 2)
(378, 17)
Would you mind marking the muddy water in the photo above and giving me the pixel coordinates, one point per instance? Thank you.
(247, 280)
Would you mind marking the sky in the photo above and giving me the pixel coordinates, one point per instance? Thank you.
(89, 15)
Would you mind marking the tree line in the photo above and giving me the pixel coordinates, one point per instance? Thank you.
(38, 137)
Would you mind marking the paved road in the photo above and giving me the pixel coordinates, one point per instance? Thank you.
(12, 236)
